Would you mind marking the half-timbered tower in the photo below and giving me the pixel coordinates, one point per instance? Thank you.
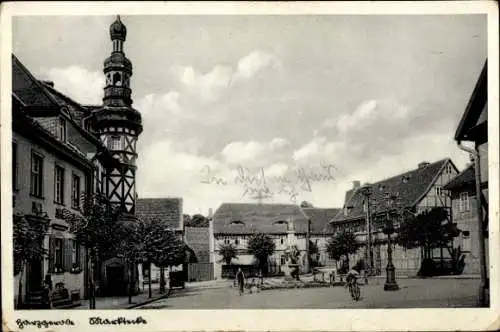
(117, 123)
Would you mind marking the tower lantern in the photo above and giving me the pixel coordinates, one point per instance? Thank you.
(117, 123)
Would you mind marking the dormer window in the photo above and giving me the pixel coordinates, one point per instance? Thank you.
(61, 129)
(237, 222)
(405, 179)
(381, 187)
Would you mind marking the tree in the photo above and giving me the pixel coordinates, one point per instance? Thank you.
(132, 246)
(228, 252)
(98, 229)
(198, 220)
(306, 204)
(341, 244)
(187, 220)
(428, 230)
(261, 246)
(28, 236)
(165, 249)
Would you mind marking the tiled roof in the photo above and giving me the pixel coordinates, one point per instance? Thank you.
(34, 95)
(320, 219)
(76, 110)
(475, 106)
(197, 239)
(411, 186)
(166, 210)
(465, 179)
(27, 89)
(21, 121)
(254, 218)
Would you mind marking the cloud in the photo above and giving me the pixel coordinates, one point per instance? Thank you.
(253, 152)
(314, 148)
(80, 84)
(207, 86)
(254, 62)
(211, 85)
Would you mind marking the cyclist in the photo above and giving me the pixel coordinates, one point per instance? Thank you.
(351, 282)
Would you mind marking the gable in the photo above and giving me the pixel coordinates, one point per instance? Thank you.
(412, 187)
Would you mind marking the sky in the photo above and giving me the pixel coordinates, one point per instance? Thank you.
(290, 108)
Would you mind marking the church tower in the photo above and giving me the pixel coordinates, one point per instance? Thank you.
(118, 124)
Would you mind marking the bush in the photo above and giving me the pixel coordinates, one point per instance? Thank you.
(427, 268)
(360, 265)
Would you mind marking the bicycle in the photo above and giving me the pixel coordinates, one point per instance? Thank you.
(354, 289)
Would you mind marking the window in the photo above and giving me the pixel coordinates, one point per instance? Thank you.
(59, 185)
(282, 240)
(466, 241)
(36, 184)
(75, 192)
(439, 191)
(115, 143)
(236, 241)
(464, 202)
(61, 129)
(14, 165)
(75, 253)
(58, 254)
(103, 179)
(117, 79)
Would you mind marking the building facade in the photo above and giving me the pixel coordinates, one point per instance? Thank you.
(285, 224)
(417, 190)
(53, 163)
(464, 208)
(81, 148)
(473, 128)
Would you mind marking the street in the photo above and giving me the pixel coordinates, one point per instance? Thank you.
(413, 293)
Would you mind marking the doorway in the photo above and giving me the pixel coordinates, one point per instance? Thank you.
(34, 276)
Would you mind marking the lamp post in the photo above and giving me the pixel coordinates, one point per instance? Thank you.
(366, 192)
(390, 282)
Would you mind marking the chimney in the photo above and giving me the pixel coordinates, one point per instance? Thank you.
(49, 83)
(356, 184)
(423, 164)
(210, 213)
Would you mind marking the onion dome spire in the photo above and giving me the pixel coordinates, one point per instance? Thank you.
(118, 30)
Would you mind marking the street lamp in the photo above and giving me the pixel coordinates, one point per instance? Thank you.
(366, 192)
(390, 282)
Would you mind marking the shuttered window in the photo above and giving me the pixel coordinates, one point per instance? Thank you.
(82, 259)
(58, 256)
(68, 255)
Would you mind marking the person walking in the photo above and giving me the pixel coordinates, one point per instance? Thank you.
(240, 279)
(47, 291)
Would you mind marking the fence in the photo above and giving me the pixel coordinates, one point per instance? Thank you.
(200, 271)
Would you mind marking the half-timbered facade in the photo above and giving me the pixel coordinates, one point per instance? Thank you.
(417, 190)
(104, 136)
(54, 161)
(117, 123)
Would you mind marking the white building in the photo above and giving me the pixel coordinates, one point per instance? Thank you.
(286, 224)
